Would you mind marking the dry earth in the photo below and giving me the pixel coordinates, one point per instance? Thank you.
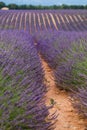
(68, 118)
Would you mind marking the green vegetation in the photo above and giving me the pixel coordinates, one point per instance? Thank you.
(41, 7)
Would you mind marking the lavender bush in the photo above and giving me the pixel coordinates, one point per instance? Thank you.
(80, 101)
(22, 104)
(71, 74)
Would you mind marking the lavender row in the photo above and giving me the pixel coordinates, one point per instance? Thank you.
(63, 53)
(54, 46)
(71, 73)
(22, 103)
(80, 11)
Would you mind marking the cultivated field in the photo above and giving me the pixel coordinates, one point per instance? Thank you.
(43, 70)
(33, 21)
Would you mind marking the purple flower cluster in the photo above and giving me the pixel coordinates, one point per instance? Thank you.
(80, 102)
(22, 103)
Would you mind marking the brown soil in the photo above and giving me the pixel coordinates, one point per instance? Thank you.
(68, 118)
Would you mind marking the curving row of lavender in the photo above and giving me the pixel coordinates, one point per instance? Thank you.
(37, 20)
(66, 54)
(55, 46)
(22, 103)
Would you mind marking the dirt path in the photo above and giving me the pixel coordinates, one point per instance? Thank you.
(68, 119)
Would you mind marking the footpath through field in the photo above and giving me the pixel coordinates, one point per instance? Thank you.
(68, 119)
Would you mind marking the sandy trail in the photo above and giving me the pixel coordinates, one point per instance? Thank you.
(68, 119)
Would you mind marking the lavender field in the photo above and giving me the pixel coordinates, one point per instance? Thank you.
(28, 39)
(34, 21)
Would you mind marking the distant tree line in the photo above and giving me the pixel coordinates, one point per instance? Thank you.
(41, 7)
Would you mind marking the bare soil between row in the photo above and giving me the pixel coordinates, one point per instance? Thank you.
(68, 118)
